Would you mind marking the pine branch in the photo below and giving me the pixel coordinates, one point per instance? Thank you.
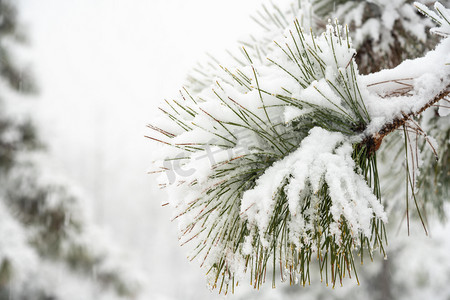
(374, 142)
(291, 180)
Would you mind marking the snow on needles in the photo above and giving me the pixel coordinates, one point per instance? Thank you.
(408, 87)
(323, 156)
(270, 159)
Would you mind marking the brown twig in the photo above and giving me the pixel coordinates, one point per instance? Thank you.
(373, 142)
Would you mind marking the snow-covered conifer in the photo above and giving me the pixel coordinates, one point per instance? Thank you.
(272, 162)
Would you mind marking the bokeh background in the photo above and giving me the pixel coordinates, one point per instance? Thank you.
(102, 67)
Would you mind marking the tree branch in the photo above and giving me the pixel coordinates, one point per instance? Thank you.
(374, 142)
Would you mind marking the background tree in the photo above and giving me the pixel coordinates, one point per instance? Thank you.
(45, 231)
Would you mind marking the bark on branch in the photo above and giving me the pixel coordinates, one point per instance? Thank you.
(374, 142)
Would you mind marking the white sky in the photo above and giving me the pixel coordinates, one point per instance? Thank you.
(102, 67)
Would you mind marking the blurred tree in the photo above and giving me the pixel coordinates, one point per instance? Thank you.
(44, 229)
(385, 33)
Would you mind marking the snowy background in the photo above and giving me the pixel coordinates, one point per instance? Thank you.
(102, 66)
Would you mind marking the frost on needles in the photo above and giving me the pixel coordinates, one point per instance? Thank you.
(273, 166)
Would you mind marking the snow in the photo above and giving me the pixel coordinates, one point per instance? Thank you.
(322, 157)
(427, 76)
(379, 29)
(441, 16)
(14, 248)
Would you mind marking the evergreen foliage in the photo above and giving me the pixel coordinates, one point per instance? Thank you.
(292, 142)
(385, 33)
(16, 76)
(43, 225)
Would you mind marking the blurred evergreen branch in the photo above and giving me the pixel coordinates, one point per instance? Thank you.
(48, 213)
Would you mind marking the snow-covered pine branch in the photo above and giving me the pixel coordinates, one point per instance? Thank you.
(274, 163)
(407, 90)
